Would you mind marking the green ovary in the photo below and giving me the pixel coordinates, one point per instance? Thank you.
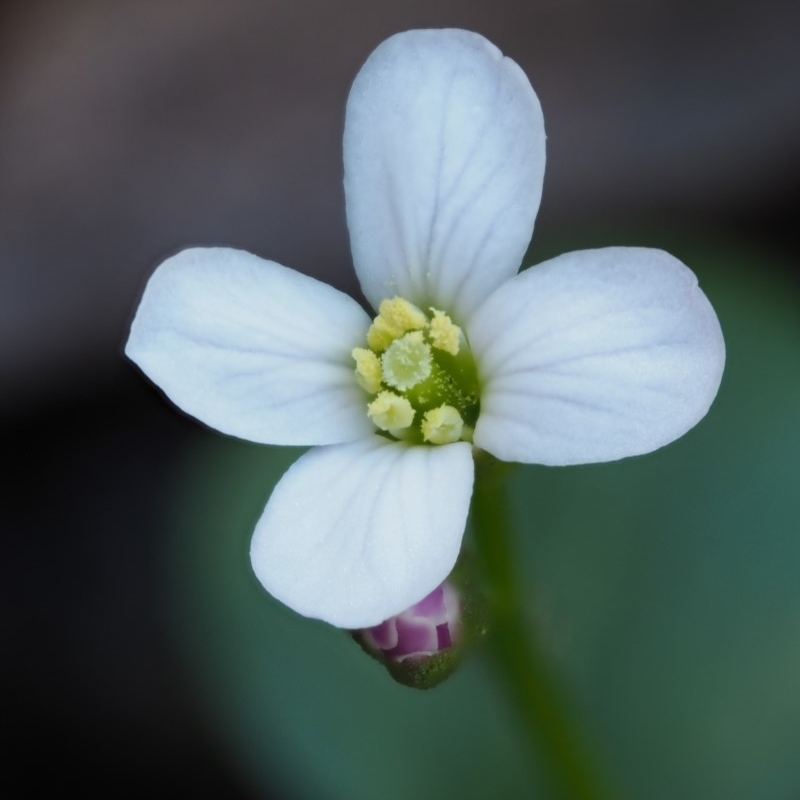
(420, 374)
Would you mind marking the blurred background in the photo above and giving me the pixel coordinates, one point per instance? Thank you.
(137, 649)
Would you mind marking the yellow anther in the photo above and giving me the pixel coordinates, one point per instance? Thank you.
(368, 369)
(407, 361)
(442, 425)
(395, 317)
(380, 335)
(403, 315)
(444, 333)
(390, 411)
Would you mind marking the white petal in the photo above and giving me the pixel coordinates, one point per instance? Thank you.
(594, 356)
(252, 348)
(356, 533)
(444, 162)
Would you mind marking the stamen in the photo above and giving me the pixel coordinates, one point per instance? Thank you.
(390, 411)
(442, 425)
(444, 333)
(380, 335)
(403, 315)
(407, 362)
(395, 317)
(368, 369)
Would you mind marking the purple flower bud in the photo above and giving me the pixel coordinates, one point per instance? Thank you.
(428, 627)
(423, 645)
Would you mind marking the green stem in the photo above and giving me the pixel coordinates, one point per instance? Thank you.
(534, 688)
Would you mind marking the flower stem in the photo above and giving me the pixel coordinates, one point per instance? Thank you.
(534, 688)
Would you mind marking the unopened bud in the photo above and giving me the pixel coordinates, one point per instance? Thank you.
(422, 645)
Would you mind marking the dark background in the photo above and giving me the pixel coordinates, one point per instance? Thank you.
(129, 130)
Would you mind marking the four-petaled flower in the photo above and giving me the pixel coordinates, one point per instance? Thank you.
(589, 357)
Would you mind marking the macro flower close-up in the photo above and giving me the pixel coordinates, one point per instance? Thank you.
(589, 357)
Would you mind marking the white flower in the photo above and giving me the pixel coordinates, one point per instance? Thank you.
(589, 357)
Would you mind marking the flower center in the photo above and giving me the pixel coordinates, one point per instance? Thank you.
(420, 374)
